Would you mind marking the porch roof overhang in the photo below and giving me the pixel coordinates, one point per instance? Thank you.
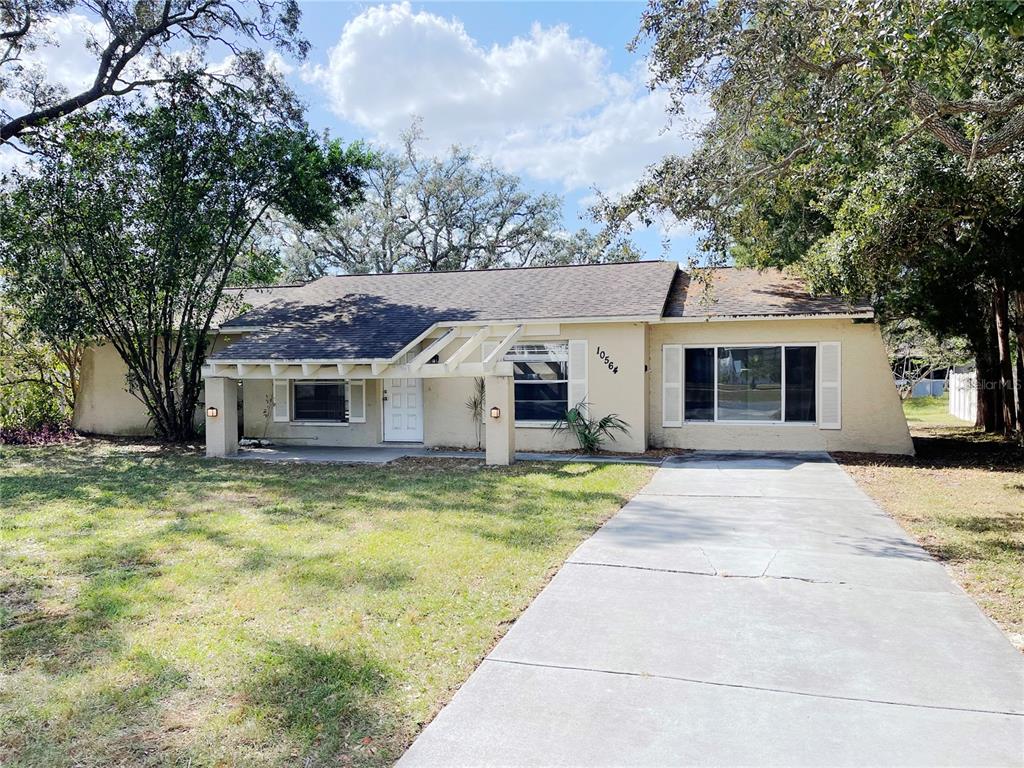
(426, 364)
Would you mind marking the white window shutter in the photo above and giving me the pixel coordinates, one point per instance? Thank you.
(356, 395)
(577, 372)
(830, 376)
(672, 385)
(282, 409)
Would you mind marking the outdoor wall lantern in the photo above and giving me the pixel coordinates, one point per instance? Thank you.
(495, 412)
(211, 412)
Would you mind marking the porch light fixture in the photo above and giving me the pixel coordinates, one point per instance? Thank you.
(495, 412)
(211, 412)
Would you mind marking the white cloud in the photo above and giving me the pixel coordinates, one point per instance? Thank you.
(64, 57)
(547, 105)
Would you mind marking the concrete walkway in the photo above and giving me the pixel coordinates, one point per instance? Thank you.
(385, 454)
(742, 610)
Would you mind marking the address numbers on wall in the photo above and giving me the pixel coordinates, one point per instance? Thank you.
(605, 358)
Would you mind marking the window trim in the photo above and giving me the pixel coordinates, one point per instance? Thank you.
(318, 422)
(541, 423)
(760, 422)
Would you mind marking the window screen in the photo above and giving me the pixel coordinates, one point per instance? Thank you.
(319, 401)
(800, 378)
(750, 383)
(699, 392)
(541, 373)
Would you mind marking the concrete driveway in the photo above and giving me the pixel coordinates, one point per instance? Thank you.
(742, 610)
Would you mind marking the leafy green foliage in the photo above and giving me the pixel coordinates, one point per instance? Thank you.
(591, 433)
(134, 219)
(876, 147)
(38, 382)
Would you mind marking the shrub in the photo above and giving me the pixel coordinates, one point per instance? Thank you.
(589, 432)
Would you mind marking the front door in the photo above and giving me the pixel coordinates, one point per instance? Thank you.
(403, 410)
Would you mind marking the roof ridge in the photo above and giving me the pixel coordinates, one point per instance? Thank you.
(498, 269)
(264, 287)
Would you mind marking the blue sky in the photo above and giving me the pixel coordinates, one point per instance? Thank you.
(547, 90)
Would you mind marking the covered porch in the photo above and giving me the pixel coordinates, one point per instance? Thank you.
(381, 399)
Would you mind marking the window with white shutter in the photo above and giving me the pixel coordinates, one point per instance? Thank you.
(356, 398)
(830, 395)
(672, 385)
(282, 408)
(577, 372)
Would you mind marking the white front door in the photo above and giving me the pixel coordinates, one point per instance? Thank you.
(403, 410)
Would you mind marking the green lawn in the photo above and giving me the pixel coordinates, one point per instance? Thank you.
(161, 609)
(930, 410)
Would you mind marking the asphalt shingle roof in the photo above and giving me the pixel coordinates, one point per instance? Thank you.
(236, 300)
(365, 317)
(735, 292)
(352, 317)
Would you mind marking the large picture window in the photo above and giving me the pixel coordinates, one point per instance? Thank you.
(750, 383)
(319, 401)
(541, 373)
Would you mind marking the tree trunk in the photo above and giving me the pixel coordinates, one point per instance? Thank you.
(1001, 310)
(1019, 332)
(986, 358)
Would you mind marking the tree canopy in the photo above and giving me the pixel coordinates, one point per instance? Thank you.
(875, 147)
(141, 43)
(134, 219)
(444, 213)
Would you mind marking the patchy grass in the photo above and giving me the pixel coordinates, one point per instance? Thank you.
(161, 609)
(930, 411)
(962, 498)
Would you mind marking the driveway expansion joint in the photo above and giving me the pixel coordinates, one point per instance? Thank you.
(704, 573)
(765, 689)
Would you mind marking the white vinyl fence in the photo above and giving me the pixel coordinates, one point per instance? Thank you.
(963, 394)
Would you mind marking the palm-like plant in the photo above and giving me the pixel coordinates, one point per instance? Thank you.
(589, 432)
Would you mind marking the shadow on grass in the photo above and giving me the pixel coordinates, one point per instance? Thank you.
(329, 572)
(941, 447)
(327, 701)
(101, 728)
(113, 587)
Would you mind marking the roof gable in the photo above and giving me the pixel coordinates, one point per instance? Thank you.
(375, 316)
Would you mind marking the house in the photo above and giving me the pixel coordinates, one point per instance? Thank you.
(740, 359)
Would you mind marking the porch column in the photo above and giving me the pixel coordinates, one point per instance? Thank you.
(500, 432)
(222, 429)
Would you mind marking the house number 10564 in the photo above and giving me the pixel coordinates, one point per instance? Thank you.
(604, 357)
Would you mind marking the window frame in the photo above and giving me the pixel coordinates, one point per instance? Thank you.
(540, 423)
(344, 383)
(760, 422)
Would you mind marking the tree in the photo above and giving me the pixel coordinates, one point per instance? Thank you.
(453, 212)
(875, 147)
(915, 353)
(141, 45)
(147, 214)
(38, 382)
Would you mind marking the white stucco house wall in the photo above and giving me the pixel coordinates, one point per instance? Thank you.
(745, 360)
